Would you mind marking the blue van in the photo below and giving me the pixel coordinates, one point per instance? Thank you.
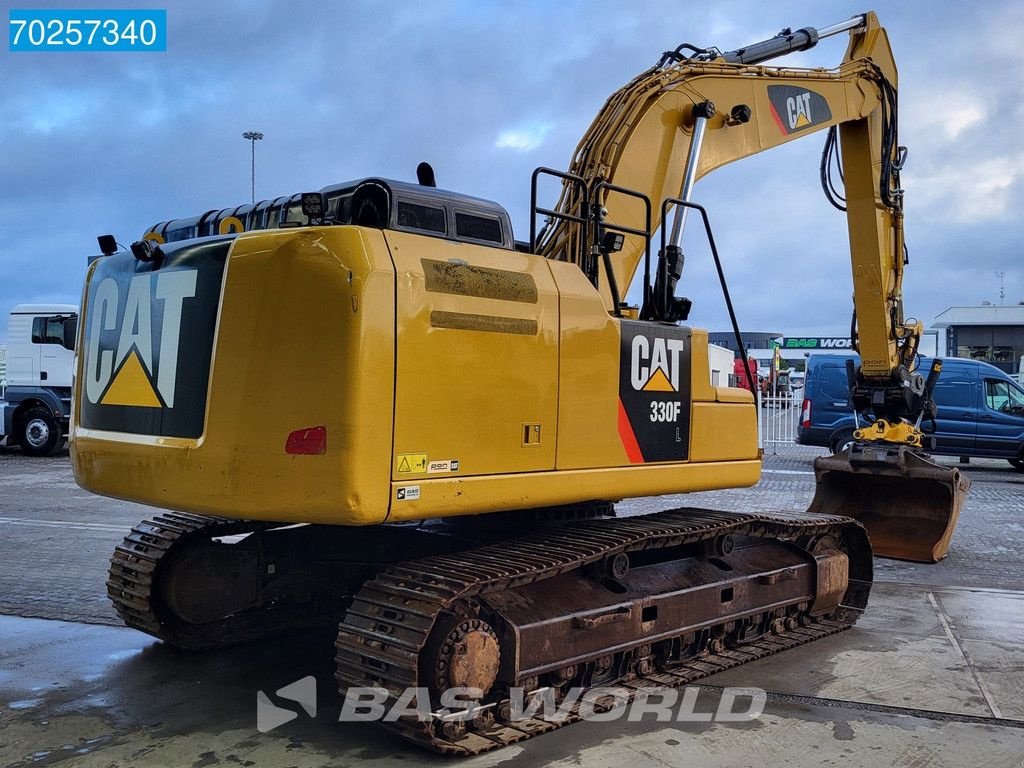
(980, 409)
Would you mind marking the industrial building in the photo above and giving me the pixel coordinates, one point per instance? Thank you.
(991, 333)
(751, 339)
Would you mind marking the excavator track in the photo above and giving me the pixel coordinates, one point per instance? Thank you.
(138, 565)
(392, 622)
(170, 562)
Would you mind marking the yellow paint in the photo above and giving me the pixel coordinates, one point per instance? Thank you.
(229, 225)
(588, 380)
(131, 386)
(882, 431)
(723, 431)
(733, 395)
(448, 496)
(154, 236)
(467, 392)
(659, 382)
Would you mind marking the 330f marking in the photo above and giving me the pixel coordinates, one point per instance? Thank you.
(665, 411)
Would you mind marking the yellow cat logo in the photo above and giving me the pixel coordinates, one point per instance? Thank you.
(129, 374)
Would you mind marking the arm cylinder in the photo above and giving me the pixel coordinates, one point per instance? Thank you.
(787, 42)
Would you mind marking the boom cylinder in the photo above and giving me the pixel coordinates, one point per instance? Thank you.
(701, 114)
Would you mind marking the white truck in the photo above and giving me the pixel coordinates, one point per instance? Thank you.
(35, 399)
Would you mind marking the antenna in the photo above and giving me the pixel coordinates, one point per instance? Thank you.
(1002, 287)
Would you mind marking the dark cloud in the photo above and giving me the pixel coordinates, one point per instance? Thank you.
(93, 143)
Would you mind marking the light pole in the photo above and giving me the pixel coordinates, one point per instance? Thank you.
(253, 137)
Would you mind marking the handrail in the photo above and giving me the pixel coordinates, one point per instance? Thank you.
(721, 275)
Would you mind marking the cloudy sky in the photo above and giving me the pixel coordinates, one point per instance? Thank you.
(114, 142)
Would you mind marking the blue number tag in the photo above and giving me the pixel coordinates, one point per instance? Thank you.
(87, 30)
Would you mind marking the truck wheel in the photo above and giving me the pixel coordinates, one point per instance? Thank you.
(38, 432)
(841, 441)
(1018, 464)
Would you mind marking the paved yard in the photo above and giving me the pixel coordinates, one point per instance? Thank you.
(929, 677)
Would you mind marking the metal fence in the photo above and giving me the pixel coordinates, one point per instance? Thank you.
(778, 413)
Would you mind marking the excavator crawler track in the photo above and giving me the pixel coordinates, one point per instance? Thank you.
(134, 581)
(323, 565)
(392, 622)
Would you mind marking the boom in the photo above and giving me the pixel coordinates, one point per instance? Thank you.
(687, 116)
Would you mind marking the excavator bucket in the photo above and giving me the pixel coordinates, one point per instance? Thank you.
(908, 504)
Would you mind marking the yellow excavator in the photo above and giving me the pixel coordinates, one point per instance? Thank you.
(371, 406)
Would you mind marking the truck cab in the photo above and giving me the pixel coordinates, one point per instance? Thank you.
(35, 399)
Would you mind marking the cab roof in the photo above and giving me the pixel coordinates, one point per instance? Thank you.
(371, 201)
(45, 309)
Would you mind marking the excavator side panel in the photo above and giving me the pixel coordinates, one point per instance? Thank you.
(477, 360)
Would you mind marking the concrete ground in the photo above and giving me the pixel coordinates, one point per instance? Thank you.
(930, 676)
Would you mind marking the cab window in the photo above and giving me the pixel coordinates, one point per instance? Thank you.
(55, 330)
(477, 227)
(1002, 396)
(832, 382)
(292, 214)
(425, 217)
(47, 330)
(339, 208)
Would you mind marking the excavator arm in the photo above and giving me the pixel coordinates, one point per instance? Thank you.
(686, 117)
(698, 109)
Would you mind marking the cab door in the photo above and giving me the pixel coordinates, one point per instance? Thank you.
(956, 420)
(1001, 423)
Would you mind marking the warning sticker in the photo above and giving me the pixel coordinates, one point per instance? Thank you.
(435, 467)
(411, 462)
(409, 493)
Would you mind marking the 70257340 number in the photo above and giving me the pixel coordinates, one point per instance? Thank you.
(66, 30)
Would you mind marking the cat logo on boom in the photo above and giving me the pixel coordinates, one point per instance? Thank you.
(795, 109)
(798, 110)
